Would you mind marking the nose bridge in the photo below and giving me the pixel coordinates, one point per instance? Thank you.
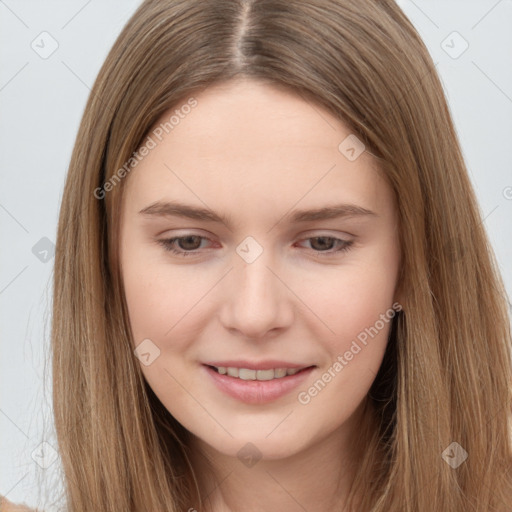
(258, 301)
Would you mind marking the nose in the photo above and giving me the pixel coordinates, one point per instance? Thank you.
(259, 302)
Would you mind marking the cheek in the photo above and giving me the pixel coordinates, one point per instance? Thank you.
(161, 309)
(160, 297)
(351, 299)
(354, 305)
(360, 314)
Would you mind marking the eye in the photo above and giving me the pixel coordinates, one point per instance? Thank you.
(328, 241)
(188, 245)
(188, 242)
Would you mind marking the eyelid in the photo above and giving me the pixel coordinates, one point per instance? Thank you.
(312, 233)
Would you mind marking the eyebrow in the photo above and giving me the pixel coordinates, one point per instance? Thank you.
(176, 209)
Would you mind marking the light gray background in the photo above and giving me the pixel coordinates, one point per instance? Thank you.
(41, 103)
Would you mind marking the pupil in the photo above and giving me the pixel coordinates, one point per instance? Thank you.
(323, 239)
(186, 240)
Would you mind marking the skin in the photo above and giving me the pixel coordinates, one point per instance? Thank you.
(255, 152)
(8, 506)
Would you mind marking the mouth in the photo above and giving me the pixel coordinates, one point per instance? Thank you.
(257, 386)
(260, 375)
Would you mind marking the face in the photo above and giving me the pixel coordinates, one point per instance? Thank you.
(264, 285)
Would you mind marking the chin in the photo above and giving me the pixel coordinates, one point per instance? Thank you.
(249, 449)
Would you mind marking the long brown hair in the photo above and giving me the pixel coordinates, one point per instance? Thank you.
(447, 372)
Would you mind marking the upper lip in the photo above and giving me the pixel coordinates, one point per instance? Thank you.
(260, 365)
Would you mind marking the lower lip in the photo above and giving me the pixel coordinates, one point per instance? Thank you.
(257, 391)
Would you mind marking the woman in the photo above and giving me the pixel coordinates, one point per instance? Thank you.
(249, 371)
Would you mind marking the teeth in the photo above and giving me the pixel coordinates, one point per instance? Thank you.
(265, 374)
(233, 372)
(247, 374)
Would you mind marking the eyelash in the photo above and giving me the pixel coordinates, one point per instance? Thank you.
(168, 245)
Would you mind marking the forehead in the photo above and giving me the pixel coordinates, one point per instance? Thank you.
(248, 143)
(249, 116)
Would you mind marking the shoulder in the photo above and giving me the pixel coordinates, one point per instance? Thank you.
(7, 506)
